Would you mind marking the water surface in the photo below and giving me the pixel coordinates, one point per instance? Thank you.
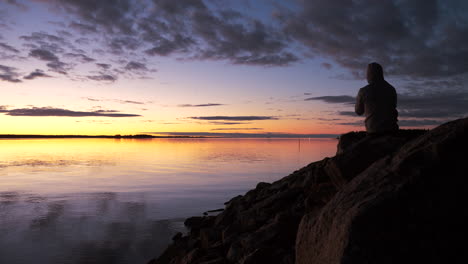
(121, 200)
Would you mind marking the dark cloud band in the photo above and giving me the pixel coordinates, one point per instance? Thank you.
(233, 118)
(199, 105)
(36, 74)
(333, 99)
(9, 74)
(48, 111)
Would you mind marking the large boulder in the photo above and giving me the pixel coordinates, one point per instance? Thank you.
(408, 207)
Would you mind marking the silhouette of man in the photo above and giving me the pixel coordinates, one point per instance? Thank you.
(377, 101)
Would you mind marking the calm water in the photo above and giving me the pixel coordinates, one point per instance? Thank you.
(121, 200)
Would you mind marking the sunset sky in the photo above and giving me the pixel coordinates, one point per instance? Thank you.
(204, 67)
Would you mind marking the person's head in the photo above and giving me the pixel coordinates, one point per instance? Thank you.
(374, 73)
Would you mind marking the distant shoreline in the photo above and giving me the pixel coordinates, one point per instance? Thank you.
(90, 136)
(146, 136)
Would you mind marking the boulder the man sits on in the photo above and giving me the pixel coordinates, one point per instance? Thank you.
(377, 101)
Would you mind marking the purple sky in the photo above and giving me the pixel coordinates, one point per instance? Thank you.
(218, 66)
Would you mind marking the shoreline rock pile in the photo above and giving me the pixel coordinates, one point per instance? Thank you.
(379, 199)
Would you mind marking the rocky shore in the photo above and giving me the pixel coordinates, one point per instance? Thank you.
(382, 199)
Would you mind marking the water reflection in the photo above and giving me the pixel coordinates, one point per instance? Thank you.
(121, 201)
(81, 228)
(53, 163)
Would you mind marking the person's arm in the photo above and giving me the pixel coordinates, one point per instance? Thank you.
(359, 107)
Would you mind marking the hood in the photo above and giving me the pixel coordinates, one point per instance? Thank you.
(374, 73)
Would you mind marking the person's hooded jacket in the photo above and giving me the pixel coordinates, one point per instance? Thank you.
(377, 101)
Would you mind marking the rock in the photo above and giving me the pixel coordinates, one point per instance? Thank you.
(262, 185)
(359, 155)
(193, 222)
(208, 236)
(213, 212)
(228, 233)
(191, 256)
(406, 208)
(214, 261)
(235, 252)
(261, 255)
(349, 139)
(233, 199)
(177, 236)
(216, 210)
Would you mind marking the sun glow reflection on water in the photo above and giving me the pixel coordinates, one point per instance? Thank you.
(122, 165)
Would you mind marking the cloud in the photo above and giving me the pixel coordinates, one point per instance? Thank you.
(135, 66)
(104, 66)
(42, 36)
(193, 28)
(59, 67)
(50, 111)
(347, 113)
(36, 74)
(425, 109)
(449, 104)
(102, 77)
(9, 74)
(79, 57)
(249, 42)
(345, 99)
(165, 47)
(234, 118)
(54, 62)
(403, 123)
(44, 55)
(227, 123)
(130, 102)
(421, 38)
(199, 105)
(418, 39)
(15, 3)
(420, 122)
(7, 47)
(236, 128)
(92, 99)
(82, 28)
(267, 60)
(45, 41)
(326, 65)
(114, 100)
(106, 111)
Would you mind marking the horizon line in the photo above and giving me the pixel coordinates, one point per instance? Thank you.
(244, 135)
(175, 135)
